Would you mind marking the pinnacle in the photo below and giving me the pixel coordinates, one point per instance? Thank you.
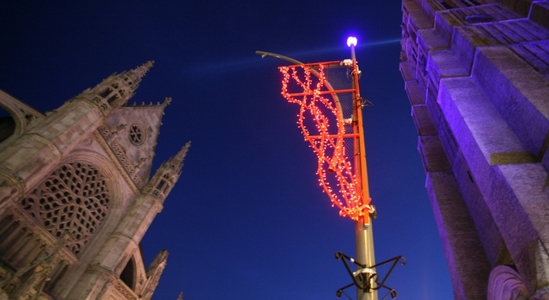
(183, 152)
(143, 69)
(177, 160)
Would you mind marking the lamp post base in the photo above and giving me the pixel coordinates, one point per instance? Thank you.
(365, 255)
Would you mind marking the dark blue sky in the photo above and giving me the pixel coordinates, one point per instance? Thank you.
(247, 219)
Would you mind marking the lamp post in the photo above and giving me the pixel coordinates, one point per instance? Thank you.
(324, 108)
(364, 238)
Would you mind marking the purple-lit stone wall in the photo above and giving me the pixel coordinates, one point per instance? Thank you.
(477, 76)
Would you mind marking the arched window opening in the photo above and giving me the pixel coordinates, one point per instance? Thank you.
(127, 275)
(7, 125)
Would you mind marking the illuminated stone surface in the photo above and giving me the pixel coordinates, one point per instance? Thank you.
(477, 75)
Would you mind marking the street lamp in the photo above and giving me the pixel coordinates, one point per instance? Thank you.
(331, 121)
(364, 237)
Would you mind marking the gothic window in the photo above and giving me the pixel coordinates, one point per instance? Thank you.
(74, 200)
(7, 127)
(164, 183)
(163, 186)
(137, 135)
(128, 274)
(105, 93)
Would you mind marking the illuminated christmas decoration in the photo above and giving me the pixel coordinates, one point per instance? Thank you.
(327, 118)
(330, 118)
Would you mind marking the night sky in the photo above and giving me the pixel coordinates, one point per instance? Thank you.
(247, 219)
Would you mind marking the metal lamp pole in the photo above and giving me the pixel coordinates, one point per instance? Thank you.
(363, 227)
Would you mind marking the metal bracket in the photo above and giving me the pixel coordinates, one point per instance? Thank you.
(365, 277)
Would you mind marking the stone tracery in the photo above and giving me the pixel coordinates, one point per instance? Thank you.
(137, 135)
(73, 199)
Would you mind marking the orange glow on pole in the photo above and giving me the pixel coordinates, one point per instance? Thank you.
(358, 128)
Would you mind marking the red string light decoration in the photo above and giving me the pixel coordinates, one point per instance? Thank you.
(322, 121)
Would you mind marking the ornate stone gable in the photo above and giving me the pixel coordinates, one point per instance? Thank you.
(133, 137)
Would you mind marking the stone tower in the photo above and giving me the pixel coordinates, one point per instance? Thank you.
(477, 76)
(76, 195)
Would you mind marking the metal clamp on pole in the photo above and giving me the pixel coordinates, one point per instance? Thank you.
(365, 277)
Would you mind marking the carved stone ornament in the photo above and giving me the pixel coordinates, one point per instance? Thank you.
(505, 283)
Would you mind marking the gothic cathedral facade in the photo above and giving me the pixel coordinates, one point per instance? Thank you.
(76, 195)
(477, 77)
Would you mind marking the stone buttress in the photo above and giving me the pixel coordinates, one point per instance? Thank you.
(477, 76)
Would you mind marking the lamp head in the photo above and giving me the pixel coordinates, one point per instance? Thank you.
(351, 41)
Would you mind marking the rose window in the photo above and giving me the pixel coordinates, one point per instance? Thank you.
(74, 200)
(137, 135)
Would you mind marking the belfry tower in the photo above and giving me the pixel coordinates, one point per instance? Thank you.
(477, 75)
(76, 195)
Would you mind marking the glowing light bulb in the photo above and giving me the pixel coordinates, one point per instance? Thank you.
(351, 41)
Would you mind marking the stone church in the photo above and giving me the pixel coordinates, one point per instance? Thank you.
(477, 76)
(77, 195)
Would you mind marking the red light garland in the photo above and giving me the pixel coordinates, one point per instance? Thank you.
(319, 104)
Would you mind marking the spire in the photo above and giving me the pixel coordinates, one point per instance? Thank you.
(167, 175)
(176, 162)
(134, 77)
(153, 274)
(116, 89)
